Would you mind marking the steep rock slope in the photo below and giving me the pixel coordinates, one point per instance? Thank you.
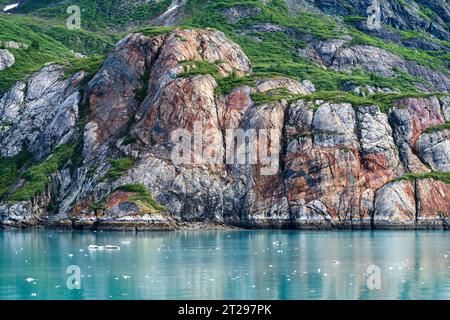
(100, 155)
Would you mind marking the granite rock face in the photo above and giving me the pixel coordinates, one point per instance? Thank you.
(148, 119)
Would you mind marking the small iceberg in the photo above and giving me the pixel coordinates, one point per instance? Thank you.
(94, 247)
(30, 279)
(111, 247)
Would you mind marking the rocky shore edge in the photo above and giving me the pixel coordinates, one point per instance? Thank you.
(169, 224)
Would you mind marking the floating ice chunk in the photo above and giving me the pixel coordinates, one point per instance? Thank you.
(126, 277)
(29, 279)
(34, 294)
(94, 247)
(111, 247)
(70, 255)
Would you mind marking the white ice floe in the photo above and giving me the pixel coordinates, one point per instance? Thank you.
(94, 247)
(111, 247)
(30, 279)
(10, 7)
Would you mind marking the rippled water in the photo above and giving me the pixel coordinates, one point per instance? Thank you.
(225, 265)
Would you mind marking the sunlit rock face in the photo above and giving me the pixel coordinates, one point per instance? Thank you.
(320, 164)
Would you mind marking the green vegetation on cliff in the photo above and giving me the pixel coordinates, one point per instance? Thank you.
(444, 126)
(101, 16)
(37, 177)
(46, 42)
(441, 176)
(273, 53)
(143, 197)
(10, 170)
(276, 53)
(119, 167)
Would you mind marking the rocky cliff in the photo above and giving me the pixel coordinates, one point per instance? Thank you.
(98, 152)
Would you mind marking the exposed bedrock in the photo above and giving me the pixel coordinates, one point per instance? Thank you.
(315, 165)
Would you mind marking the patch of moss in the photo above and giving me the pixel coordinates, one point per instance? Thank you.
(37, 177)
(143, 197)
(439, 127)
(148, 31)
(90, 65)
(436, 175)
(10, 170)
(273, 96)
(194, 68)
(226, 84)
(119, 167)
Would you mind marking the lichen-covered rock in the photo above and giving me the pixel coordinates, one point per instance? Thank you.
(234, 14)
(41, 118)
(395, 206)
(6, 59)
(18, 215)
(380, 157)
(410, 119)
(432, 203)
(434, 150)
(323, 175)
(412, 204)
(337, 55)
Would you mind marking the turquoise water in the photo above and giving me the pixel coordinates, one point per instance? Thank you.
(225, 265)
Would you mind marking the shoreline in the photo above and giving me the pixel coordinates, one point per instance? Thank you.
(172, 225)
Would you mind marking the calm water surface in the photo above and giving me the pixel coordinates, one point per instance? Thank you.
(225, 265)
